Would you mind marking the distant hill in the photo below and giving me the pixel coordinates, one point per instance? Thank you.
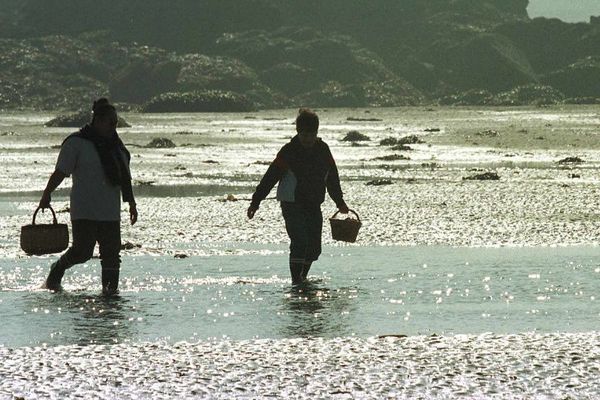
(282, 53)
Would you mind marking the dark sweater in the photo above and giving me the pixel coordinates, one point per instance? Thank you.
(314, 170)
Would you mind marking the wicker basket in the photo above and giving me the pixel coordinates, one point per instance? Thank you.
(345, 230)
(41, 239)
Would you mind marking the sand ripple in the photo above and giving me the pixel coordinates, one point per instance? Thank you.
(524, 366)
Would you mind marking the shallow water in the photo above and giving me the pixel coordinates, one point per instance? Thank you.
(373, 322)
(454, 289)
(361, 291)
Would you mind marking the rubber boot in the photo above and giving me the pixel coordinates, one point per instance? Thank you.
(305, 268)
(110, 281)
(296, 272)
(57, 271)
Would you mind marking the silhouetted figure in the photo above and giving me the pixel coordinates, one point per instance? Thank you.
(304, 168)
(99, 163)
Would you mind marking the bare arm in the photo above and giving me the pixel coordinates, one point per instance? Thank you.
(53, 182)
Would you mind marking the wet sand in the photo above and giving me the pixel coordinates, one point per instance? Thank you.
(192, 201)
(522, 366)
(537, 201)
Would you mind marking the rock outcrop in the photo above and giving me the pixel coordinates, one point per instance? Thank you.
(285, 53)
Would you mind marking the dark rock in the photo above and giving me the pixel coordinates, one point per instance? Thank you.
(288, 78)
(160, 143)
(411, 139)
(397, 336)
(475, 97)
(355, 136)
(130, 246)
(458, 51)
(401, 147)
(144, 183)
(180, 256)
(10, 96)
(201, 72)
(486, 176)
(571, 160)
(379, 182)
(529, 95)
(391, 93)
(204, 101)
(229, 198)
(487, 61)
(582, 100)
(60, 73)
(551, 43)
(143, 79)
(357, 119)
(389, 141)
(580, 79)
(392, 157)
(77, 120)
(335, 94)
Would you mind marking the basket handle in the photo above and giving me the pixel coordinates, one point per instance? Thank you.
(53, 215)
(350, 210)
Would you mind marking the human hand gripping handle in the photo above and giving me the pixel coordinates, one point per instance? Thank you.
(55, 179)
(343, 208)
(133, 213)
(45, 200)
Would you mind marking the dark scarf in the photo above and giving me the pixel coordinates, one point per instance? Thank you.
(109, 149)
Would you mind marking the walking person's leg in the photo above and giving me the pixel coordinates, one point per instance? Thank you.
(314, 229)
(84, 240)
(295, 225)
(109, 240)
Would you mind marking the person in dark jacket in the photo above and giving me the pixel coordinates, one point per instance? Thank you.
(304, 169)
(98, 161)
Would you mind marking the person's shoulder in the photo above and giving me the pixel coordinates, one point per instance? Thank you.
(75, 142)
(322, 144)
(71, 141)
(287, 147)
(73, 137)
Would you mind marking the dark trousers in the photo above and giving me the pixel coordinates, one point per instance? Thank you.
(304, 226)
(85, 235)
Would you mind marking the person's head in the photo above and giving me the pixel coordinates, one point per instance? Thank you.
(307, 126)
(104, 117)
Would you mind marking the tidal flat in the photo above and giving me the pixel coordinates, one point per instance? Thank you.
(455, 288)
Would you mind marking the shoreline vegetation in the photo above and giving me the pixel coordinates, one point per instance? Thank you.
(260, 55)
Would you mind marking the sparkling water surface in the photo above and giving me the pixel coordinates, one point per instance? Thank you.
(353, 291)
(482, 290)
(373, 322)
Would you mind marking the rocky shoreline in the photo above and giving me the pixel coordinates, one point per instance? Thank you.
(262, 56)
